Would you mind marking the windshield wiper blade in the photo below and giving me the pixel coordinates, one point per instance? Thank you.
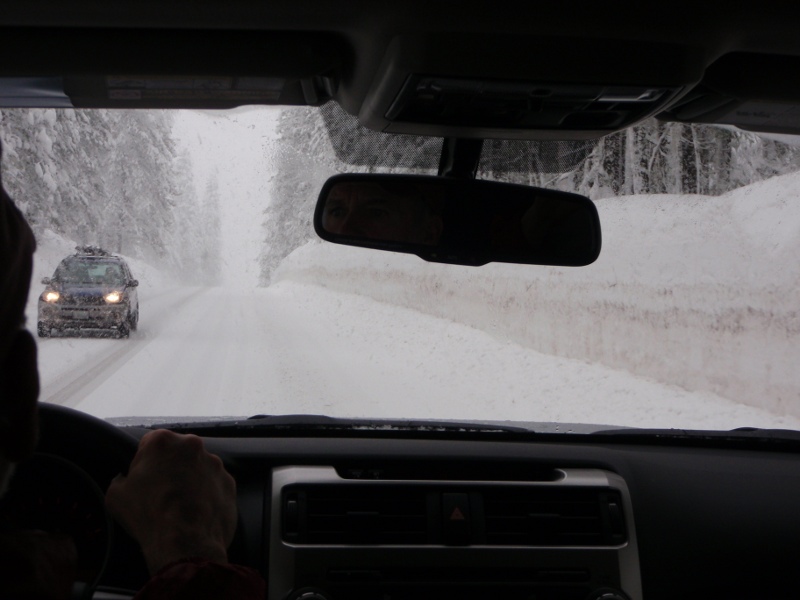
(753, 437)
(321, 423)
(388, 424)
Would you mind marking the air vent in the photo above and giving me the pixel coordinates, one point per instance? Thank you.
(497, 515)
(553, 517)
(356, 515)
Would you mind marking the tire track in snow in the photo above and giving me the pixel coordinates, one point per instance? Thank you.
(87, 378)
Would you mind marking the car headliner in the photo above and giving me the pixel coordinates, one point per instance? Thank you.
(725, 64)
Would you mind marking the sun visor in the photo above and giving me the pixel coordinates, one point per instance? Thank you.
(86, 68)
(524, 88)
(33, 92)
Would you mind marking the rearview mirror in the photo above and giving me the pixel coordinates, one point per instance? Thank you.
(457, 221)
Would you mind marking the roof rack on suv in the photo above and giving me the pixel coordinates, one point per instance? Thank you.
(92, 250)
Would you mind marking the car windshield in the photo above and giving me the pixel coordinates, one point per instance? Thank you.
(88, 272)
(689, 318)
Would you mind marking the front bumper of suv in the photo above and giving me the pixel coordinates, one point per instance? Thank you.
(57, 316)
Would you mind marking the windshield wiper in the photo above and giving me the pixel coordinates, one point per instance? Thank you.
(750, 437)
(322, 425)
(325, 426)
(397, 424)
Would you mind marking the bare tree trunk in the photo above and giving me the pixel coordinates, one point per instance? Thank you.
(674, 162)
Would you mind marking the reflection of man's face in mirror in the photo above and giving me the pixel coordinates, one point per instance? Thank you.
(395, 213)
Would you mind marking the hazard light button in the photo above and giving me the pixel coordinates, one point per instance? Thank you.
(456, 519)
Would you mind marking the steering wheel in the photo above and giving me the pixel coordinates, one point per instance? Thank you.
(61, 489)
(86, 440)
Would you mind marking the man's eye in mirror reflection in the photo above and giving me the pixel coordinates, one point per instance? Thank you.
(373, 211)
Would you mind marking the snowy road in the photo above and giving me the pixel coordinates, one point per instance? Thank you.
(188, 357)
(296, 348)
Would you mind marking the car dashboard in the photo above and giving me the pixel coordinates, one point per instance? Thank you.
(377, 516)
(362, 533)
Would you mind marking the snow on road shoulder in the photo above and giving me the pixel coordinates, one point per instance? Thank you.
(400, 363)
(693, 291)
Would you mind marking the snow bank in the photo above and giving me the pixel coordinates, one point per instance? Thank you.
(700, 292)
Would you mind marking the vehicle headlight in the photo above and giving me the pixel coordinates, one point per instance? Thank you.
(113, 297)
(51, 296)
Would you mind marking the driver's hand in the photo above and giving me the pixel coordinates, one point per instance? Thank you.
(177, 501)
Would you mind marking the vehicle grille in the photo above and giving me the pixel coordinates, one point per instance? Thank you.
(82, 300)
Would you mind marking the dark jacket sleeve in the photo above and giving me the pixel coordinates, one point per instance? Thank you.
(200, 579)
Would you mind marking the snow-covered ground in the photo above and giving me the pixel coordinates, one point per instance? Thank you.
(297, 348)
(698, 292)
(353, 333)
